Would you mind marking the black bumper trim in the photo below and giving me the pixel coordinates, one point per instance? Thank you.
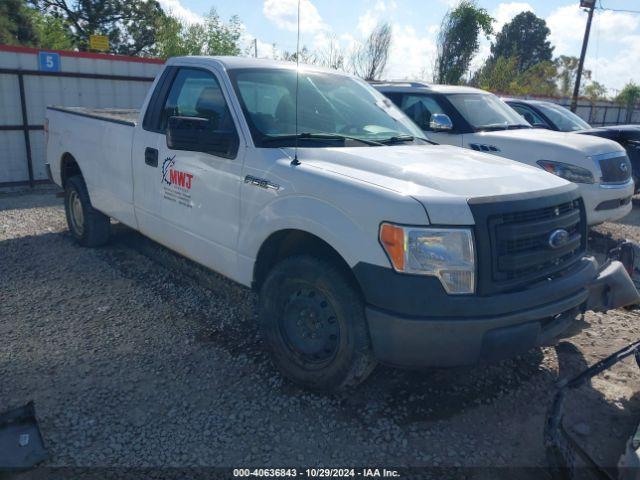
(420, 295)
(449, 342)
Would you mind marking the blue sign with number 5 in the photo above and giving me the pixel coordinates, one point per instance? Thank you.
(48, 62)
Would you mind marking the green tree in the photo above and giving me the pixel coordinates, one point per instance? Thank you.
(130, 24)
(169, 40)
(567, 71)
(222, 38)
(212, 37)
(595, 91)
(502, 76)
(630, 94)
(629, 97)
(539, 79)
(458, 40)
(52, 32)
(16, 27)
(498, 76)
(525, 38)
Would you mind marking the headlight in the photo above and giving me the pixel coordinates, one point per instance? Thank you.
(568, 172)
(446, 253)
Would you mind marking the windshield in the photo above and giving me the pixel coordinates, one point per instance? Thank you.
(333, 110)
(485, 111)
(565, 120)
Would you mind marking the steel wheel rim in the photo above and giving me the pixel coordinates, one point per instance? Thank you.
(76, 213)
(309, 327)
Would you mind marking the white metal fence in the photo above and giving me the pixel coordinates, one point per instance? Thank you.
(31, 79)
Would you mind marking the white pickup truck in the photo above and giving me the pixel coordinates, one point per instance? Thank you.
(475, 119)
(365, 242)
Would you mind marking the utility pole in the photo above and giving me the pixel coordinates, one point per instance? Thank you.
(591, 5)
(255, 47)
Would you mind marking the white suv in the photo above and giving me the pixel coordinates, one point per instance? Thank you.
(475, 119)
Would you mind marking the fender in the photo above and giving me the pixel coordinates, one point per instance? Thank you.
(314, 216)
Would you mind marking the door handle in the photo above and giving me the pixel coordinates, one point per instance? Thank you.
(151, 156)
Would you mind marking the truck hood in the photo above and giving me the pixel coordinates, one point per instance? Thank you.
(443, 178)
(586, 145)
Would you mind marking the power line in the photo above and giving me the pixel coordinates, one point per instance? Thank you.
(618, 9)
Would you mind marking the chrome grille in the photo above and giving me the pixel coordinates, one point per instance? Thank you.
(615, 170)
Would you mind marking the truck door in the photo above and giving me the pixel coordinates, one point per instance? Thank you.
(189, 200)
(420, 107)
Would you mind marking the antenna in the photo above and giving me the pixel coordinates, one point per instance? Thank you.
(295, 160)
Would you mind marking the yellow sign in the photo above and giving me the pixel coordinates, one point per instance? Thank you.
(99, 42)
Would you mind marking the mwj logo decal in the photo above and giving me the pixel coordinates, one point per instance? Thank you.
(176, 183)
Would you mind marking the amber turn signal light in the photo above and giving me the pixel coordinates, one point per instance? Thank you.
(392, 239)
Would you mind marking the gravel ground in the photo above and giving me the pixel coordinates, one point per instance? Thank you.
(137, 357)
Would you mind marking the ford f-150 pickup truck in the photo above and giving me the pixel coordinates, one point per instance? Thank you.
(365, 242)
(472, 118)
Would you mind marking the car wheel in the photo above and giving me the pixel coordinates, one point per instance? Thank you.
(87, 225)
(312, 318)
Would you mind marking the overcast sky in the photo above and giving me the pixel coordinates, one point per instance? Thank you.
(613, 55)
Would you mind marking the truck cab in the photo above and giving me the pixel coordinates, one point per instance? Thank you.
(365, 242)
(472, 118)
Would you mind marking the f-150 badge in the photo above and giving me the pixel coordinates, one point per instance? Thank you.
(261, 182)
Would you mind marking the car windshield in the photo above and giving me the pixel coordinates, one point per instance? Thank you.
(564, 120)
(333, 110)
(485, 111)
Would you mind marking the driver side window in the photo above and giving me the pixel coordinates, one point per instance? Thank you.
(419, 108)
(196, 93)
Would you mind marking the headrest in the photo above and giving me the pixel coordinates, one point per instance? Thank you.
(286, 109)
(210, 102)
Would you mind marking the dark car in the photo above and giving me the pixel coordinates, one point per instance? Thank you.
(555, 117)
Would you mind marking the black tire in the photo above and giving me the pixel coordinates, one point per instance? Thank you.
(303, 294)
(87, 225)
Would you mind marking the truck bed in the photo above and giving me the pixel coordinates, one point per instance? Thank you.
(125, 116)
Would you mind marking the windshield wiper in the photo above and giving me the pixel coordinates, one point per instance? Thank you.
(501, 126)
(318, 136)
(397, 139)
(493, 126)
(404, 138)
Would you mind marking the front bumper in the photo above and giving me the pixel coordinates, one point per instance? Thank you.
(600, 201)
(475, 337)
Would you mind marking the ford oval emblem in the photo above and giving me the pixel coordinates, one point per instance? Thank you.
(624, 167)
(558, 238)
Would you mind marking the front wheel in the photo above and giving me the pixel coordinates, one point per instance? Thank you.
(312, 319)
(88, 226)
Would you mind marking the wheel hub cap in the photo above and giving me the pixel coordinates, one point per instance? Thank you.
(76, 212)
(309, 325)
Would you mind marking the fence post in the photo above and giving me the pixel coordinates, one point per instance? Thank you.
(25, 128)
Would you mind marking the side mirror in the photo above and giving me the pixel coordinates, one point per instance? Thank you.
(196, 134)
(440, 123)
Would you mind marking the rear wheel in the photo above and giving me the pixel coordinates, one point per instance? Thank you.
(313, 321)
(88, 226)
